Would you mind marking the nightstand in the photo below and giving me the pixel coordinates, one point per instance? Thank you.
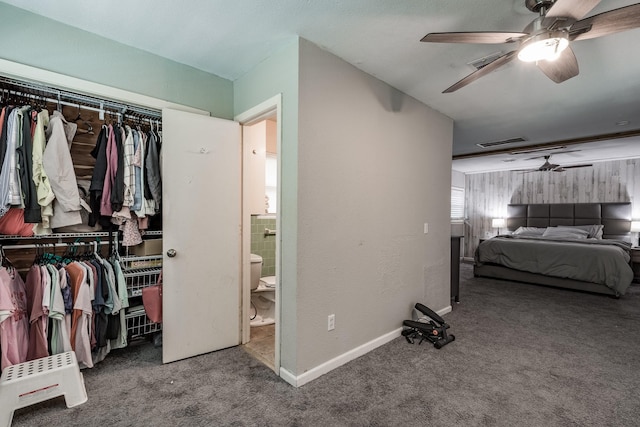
(635, 263)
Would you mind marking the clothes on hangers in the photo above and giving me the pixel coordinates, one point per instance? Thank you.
(44, 191)
(38, 319)
(152, 169)
(58, 165)
(24, 151)
(60, 320)
(42, 321)
(37, 172)
(9, 184)
(96, 188)
(14, 322)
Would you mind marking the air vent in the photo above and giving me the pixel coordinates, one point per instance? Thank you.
(503, 142)
(485, 60)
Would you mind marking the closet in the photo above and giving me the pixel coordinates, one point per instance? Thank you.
(34, 239)
(201, 210)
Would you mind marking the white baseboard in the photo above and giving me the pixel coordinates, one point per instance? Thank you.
(288, 377)
(444, 311)
(312, 374)
(336, 362)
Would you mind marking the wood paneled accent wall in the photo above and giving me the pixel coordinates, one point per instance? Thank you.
(488, 194)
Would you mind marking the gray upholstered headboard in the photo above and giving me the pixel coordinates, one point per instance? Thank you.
(616, 217)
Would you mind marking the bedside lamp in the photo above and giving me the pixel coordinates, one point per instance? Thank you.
(500, 222)
(635, 227)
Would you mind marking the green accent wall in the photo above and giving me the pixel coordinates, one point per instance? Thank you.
(264, 245)
(43, 43)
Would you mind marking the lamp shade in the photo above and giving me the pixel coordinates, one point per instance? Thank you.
(498, 222)
(635, 226)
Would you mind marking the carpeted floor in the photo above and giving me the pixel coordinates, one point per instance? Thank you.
(524, 355)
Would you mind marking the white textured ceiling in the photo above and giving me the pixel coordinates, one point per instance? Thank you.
(228, 38)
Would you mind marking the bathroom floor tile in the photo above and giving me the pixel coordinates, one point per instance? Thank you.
(262, 344)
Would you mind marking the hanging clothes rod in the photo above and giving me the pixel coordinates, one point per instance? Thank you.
(53, 245)
(64, 97)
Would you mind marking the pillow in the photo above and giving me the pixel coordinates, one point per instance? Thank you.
(565, 233)
(529, 231)
(595, 230)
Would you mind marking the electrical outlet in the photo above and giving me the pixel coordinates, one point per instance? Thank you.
(331, 322)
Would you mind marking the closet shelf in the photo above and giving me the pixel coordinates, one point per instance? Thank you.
(138, 324)
(66, 97)
(132, 265)
(142, 271)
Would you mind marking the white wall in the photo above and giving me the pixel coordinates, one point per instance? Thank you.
(457, 179)
(373, 166)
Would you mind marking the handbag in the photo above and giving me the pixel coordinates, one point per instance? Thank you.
(152, 300)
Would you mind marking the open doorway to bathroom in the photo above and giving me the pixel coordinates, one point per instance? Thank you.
(260, 141)
(262, 311)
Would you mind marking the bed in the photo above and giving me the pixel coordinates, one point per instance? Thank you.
(581, 246)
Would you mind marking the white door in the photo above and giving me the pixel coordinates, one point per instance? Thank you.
(202, 229)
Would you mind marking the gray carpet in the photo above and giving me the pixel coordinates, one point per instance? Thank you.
(524, 355)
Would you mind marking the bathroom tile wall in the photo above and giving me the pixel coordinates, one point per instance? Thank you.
(262, 245)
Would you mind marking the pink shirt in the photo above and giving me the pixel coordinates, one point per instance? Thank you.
(14, 323)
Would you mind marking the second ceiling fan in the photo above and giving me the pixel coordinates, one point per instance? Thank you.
(546, 39)
(547, 166)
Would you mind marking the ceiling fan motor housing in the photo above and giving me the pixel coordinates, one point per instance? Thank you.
(537, 5)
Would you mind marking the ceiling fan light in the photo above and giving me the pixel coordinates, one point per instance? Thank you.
(544, 46)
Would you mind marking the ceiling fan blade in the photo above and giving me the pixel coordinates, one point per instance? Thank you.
(576, 166)
(613, 21)
(563, 68)
(554, 153)
(492, 66)
(575, 9)
(473, 37)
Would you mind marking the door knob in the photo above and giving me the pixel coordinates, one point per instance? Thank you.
(171, 253)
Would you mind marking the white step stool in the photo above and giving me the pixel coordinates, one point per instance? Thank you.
(38, 380)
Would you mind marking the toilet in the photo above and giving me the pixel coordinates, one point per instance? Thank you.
(256, 271)
(263, 295)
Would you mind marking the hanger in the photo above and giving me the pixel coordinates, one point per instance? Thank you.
(79, 114)
(87, 123)
(4, 261)
(38, 256)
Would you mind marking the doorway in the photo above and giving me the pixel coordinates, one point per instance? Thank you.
(261, 129)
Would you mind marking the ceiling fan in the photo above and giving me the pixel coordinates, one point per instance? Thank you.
(547, 166)
(546, 39)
